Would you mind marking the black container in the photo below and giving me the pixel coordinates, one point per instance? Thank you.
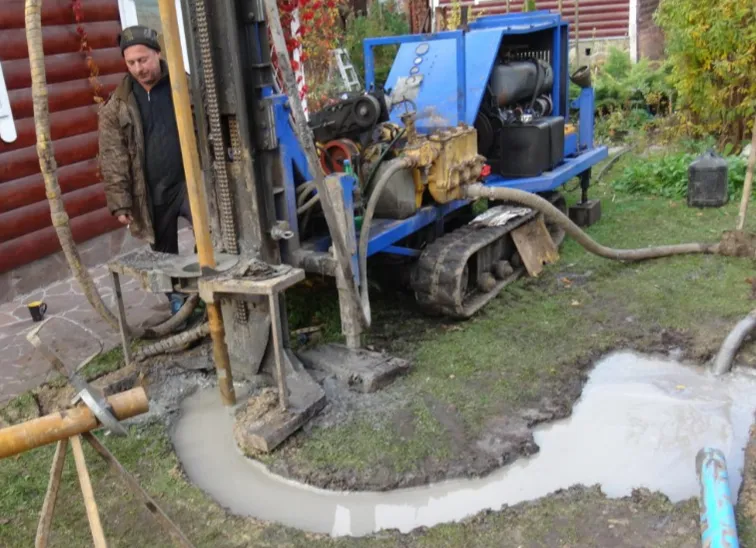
(527, 150)
(707, 181)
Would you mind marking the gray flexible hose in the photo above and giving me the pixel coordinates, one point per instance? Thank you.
(391, 168)
(589, 244)
(731, 345)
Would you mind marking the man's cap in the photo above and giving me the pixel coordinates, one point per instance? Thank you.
(138, 35)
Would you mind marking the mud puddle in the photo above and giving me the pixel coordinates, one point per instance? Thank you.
(639, 423)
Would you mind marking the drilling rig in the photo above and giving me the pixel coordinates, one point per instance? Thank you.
(379, 177)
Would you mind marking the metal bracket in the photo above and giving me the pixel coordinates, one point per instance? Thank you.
(91, 397)
(254, 11)
(267, 125)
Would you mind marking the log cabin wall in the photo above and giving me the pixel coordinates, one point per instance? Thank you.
(30, 255)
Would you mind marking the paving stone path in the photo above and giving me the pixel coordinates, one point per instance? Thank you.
(23, 368)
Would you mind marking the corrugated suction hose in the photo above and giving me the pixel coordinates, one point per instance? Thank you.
(552, 214)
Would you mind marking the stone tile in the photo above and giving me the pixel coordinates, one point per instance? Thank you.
(22, 368)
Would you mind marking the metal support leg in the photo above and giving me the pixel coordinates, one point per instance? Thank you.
(275, 325)
(585, 183)
(122, 325)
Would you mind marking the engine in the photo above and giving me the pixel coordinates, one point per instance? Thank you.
(516, 131)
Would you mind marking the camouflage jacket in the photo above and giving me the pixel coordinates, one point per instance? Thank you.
(121, 159)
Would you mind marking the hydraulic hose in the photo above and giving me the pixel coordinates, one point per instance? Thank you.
(732, 343)
(391, 168)
(589, 244)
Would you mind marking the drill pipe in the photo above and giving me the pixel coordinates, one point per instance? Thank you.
(589, 244)
(196, 189)
(70, 422)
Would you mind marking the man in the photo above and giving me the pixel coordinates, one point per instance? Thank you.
(140, 153)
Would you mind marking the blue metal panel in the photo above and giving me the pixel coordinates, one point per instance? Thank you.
(718, 527)
(570, 144)
(437, 98)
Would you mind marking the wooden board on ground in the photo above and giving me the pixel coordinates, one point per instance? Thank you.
(535, 246)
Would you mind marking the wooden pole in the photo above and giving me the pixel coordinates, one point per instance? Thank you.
(149, 503)
(93, 515)
(71, 422)
(48, 166)
(748, 183)
(195, 188)
(51, 497)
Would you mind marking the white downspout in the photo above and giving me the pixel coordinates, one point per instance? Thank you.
(633, 30)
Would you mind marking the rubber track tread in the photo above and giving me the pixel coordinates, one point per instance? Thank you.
(437, 278)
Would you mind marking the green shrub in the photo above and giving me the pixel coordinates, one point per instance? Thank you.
(666, 175)
(383, 19)
(711, 49)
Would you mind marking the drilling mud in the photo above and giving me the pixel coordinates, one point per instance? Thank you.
(639, 423)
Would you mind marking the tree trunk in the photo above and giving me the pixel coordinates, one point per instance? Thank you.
(47, 162)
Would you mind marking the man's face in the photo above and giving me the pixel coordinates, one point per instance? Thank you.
(143, 64)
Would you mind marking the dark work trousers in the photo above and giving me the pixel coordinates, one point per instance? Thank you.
(165, 221)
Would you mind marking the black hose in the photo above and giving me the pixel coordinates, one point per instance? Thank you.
(374, 169)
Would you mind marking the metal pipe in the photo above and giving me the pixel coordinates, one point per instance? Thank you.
(718, 528)
(731, 344)
(195, 188)
(71, 422)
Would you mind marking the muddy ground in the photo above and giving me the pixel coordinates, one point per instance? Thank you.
(475, 391)
(478, 388)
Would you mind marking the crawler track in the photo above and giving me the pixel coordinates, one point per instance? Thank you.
(462, 271)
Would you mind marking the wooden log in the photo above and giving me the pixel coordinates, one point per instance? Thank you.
(25, 220)
(25, 162)
(63, 96)
(65, 424)
(42, 243)
(63, 67)
(58, 12)
(30, 190)
(59, 39)
(62, 124)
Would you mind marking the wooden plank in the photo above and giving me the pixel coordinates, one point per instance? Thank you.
(254, 287)
(71, 150)
(535, 246)
(25, 220)
(59, 39)
(63, 67)
(93, 514)
(149, 503)
(51, 497)
(42, 243)
(58, 12)
(62, 124)
(31, 189)
(64, 95)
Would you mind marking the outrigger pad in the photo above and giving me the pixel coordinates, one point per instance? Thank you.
(586, 214)
(362, 370)
(535, 245)
(261, 425)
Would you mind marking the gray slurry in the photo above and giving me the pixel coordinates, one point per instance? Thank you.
(639, 423)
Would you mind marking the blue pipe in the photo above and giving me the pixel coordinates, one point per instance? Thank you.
(718, 528)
